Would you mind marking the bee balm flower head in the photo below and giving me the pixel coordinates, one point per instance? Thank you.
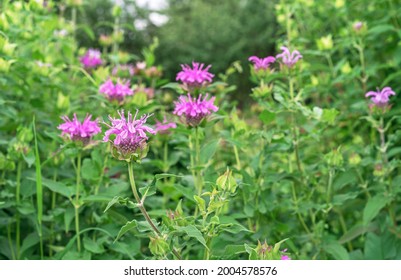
(196, 76)
(262, 63)
(130, 136)
(116, 91)
(380, 98)
(289, 58)
(91, 59)
(79, 131)
(194, 110)
(164, 127)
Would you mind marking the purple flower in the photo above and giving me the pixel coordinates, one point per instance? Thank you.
(194, 110)
(196, 76)
(91, 59)
(285, 258)
(77, 131)
(380, 98)
(164, 127)
(131, 134)
(116, 91)
(289, 58)
(262, 63)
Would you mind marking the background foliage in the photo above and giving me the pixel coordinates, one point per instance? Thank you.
(346, 203)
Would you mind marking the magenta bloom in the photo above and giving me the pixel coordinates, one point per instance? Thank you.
(196, 76)
(285, 258)
(164, 127)
(116, 91)
(289, 58)
(380, 98)
(77, 131)
(130, 134)
(91, 59)
(194, 110)
(262, 63)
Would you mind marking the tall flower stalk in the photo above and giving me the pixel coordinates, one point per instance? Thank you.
(130, 145)
(81, 133)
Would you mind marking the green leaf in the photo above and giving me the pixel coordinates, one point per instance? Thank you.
(201, 203)
(208, 150)
(30, 240)
(128, 226)
(89, 170)
(68, 217)
(58, 187)
(193, 232)
(116, 200)
(373, 207)
(267, 117)
(175, 86)
(329, 116)
(337, 251)
(355, 232)
(92, 246)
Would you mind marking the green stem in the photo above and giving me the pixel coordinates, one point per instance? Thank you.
(77, 203)
(165, 156)
(364, 77)
(53, 205)
(74, 19)
(10, 243)
(237, 157)
(329, 186)
(115, 30)
(17, 216)
(383, 152)
(142, 207)
(300, 218)
(197, 162)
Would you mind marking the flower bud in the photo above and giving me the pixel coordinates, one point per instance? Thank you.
(354, 159)
(158, 246)
(227, 182)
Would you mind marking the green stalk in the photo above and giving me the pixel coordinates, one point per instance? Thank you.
(10, 243)
(74, 19)
(39, 190)
(53, 205)
(142, 207)
(330, 186)
(77, 204)
(383, 152)
(197, 162)
(17, 215)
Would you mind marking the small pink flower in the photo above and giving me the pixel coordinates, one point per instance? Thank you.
(130, 133)
(194, 110)
(262, 63)
(285, 258)
(380, 98)
(196, 76)
(117, 91)
(289, 58)
(77, 131)
(164, 127)
(91, 59)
